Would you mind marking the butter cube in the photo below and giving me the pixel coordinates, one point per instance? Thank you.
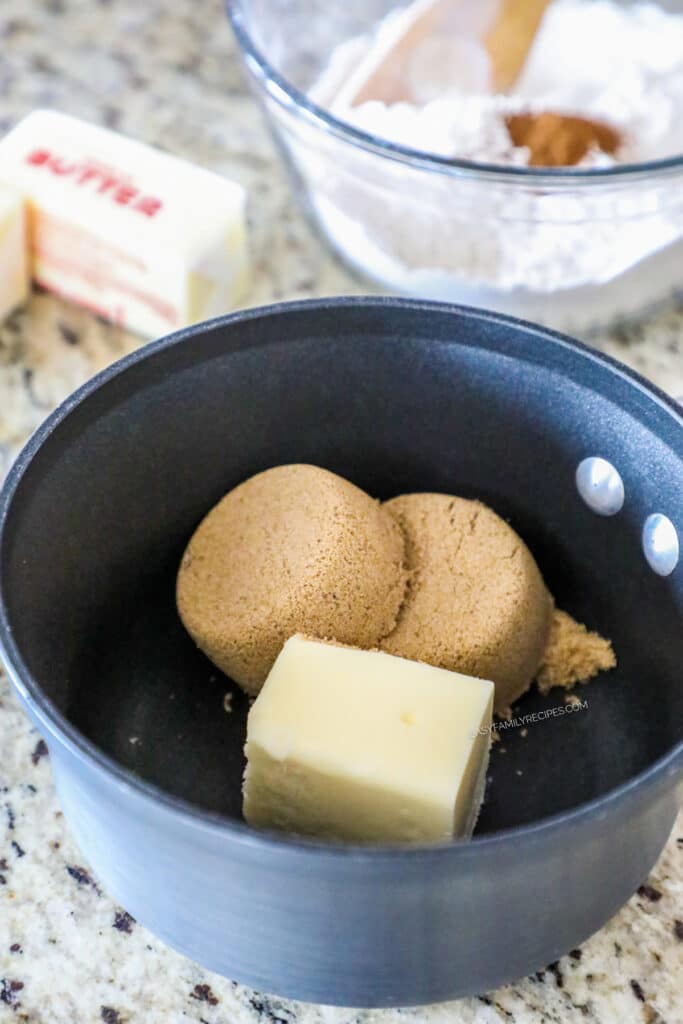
(366, 747)
(14, 279)
(140, 237)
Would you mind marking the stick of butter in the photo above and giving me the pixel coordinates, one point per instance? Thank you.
(140, 237)
(367, 747)
(14, 279)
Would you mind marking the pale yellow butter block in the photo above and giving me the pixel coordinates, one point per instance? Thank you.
(14, 278)
(146, 240)
(366, 747)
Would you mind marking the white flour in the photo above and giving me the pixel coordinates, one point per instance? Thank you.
(574, 256)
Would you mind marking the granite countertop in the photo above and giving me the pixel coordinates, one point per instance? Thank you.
(166, 73)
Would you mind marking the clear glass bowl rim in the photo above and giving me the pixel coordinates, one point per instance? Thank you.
(292, 99)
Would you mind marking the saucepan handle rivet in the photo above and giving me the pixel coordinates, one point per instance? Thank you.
(600, 485)
(660, 544)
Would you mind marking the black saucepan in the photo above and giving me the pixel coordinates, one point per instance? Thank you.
(397, 396)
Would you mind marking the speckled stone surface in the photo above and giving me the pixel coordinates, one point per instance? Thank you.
(166, 73)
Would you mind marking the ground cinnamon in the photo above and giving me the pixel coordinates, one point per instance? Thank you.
(573, 654)
(560, 140)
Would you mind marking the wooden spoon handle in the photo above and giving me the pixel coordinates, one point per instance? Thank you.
(510, 38)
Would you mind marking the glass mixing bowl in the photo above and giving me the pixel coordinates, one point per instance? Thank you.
(576, 249)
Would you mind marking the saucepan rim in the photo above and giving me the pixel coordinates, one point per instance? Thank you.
(58, 726)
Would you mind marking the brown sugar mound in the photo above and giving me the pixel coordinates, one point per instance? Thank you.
(573, 655)
(293, 549)
(476, 602)
(560, 140)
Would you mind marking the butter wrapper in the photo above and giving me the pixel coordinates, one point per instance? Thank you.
(142, 238)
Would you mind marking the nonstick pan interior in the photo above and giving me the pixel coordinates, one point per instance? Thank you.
(396, 398)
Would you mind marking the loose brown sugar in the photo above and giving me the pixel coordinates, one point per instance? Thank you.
(573, 654)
